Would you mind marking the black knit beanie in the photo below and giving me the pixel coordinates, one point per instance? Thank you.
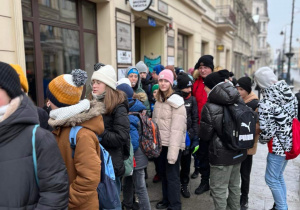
(184, 81)
(215, 78)
(205, 60)
(245, 83)
(9, 80)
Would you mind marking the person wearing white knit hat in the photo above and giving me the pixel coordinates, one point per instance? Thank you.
(115, 138)
(107, 75)
(264, 77)
(124, 80)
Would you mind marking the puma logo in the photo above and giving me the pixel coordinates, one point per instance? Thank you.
(245, 125)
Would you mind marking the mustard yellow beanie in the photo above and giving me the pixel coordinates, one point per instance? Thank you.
(66, 89)
(22, 76)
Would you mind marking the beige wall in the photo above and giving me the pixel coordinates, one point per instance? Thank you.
(11, 35)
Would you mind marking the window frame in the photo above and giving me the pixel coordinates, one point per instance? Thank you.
(36, 22)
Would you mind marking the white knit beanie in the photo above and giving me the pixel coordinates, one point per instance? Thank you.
(107, 75)
(264, 77)
(141, 67)
(124, 81)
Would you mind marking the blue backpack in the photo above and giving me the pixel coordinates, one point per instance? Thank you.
(107, 190)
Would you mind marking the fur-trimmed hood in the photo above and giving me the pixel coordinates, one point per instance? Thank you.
(96, 109)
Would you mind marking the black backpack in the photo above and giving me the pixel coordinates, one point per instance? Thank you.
(239, 124)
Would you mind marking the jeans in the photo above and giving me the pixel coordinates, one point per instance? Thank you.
(223, 179)
(185, 163)
(170, 181)
(136, 181)
(245, 175)
(118, 185)
(274, 179)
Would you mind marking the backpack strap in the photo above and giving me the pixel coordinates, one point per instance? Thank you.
(34, 154)
(72, 138)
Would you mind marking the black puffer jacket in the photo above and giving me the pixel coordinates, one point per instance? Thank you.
(18, 189)
(192, 116)
(211, 125)
(115, 138)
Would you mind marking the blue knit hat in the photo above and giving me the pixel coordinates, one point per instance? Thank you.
(158, 68)
(126, 89)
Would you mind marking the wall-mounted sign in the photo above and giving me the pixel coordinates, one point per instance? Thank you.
(163, 7)
(121, 73)
(151, 21)
(220, 48)
(152, 62)
(124, 56)
(140, 5)
(171, 60)
(123, 36)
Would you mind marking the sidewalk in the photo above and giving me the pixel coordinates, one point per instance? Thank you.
(260, 197)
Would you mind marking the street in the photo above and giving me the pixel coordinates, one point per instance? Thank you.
(260, 197)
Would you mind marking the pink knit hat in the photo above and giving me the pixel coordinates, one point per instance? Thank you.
(166, 74)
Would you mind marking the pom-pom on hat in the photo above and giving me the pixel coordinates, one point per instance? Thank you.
(22, 76)
(9, 80)
(124, 80)
(66, 90)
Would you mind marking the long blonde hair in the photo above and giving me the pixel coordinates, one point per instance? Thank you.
(161, 96)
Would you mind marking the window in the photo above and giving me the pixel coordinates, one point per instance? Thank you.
(182, 51)
(59, 36)
(257, 10)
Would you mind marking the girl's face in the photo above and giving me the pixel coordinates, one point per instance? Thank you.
(243, 93)
(98, 87)
(4, 98)
(154, 93)
(133, 79)
(164, 85)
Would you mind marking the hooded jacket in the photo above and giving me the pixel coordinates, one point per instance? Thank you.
(276, 112)
(136, 132)
(115, 138)
(19, 189)
(200, 95)
(84, 168)
(170, 117)
(211, 125)
(252, 101)
(139, 90)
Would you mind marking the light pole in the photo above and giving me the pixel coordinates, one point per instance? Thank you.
(290, 54)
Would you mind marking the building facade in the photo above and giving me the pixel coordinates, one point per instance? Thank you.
(51, 37)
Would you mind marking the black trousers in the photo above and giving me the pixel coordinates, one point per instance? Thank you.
(170, 181)
(185, 164)
(245, 175)
(203, 158)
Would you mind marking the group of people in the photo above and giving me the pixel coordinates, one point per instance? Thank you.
(42, 170)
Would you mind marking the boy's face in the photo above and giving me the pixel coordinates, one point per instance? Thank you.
(243, 93)
(154, 75)
(154, 93)
(204, 71)
(143, 75)
(187, 90)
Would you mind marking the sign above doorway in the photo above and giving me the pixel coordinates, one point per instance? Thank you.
(151, 21)
(140, 5)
